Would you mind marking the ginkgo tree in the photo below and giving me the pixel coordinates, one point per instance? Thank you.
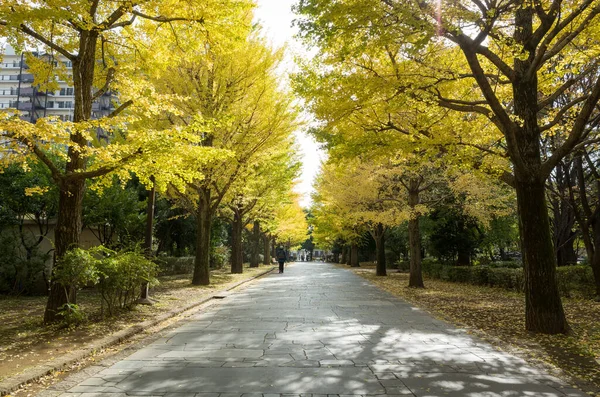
(230, 98)
(95, 36)
(256, 194)
(519, 63)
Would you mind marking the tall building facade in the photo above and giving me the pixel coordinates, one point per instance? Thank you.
(17, 90)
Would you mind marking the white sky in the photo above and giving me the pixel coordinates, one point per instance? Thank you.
(276, 18)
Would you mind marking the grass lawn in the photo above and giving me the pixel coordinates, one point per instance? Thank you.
(25, 342)
(498, 316)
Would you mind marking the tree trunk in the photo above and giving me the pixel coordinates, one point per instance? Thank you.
(204, 222)
(354, 256)
(595, 258)
(237, 257)
(255, 244)
(71, 189)
(379, 237)
(345, 259)
(415, 279)
(464, 258)
(267, 250)
(543, 307)
(148, 237)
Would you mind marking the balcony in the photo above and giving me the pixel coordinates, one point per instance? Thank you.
(25, 106)
(13, 65)
(96, 107)
(26, 78)
(30, 91)
(28, 118)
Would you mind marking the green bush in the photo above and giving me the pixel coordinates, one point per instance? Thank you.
(572, 280)
(402, 266)
(171, 265)
(511, 279)
(121, 276)
(117, 275)
(432, 268)
(576, 281)
(459, 274)
(507, 264)
(219, 256)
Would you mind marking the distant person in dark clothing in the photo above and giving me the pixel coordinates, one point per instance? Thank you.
(281, 258)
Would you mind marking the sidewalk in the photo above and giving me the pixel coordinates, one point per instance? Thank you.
(321, 330)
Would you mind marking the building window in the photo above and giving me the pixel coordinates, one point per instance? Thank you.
(68, 64)
(66, 91)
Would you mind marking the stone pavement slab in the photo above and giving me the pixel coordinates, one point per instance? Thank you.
(316, 331)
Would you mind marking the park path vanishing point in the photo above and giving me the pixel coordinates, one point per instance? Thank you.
(323, 331)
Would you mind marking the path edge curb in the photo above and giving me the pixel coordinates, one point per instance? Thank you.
(35, 373)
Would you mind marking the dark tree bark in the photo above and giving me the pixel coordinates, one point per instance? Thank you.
(345, 259)
(588, 216)
(204, 222)
(237, 257)
(415, 279)
(543, 307)
(267, 249)
(354, 255)
(255, 244)
(148, 237)
(379, 236)
(70, 203)
(563, 219)
(464, 258)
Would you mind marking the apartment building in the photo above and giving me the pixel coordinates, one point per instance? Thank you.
(18, 92)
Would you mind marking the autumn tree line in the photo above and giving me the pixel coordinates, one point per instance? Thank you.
(201, 121)
(488, 107)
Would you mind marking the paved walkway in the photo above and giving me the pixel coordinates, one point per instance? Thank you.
(320, 330)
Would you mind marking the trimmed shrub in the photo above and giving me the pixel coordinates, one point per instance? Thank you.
(576, 281)
(507, 264)
(432, 268)
(511, 279)
(459, 274)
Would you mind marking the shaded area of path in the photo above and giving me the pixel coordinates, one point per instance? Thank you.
(321, 330)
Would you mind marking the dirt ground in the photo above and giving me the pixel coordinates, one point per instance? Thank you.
(25, 342)
(498, 316)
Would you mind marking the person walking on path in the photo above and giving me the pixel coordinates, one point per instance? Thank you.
(281, 258)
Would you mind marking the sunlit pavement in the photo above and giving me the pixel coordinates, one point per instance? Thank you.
(317, 330)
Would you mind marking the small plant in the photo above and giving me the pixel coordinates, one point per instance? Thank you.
(71, 315)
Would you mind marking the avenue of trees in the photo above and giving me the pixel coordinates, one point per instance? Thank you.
(201, 134)
(489, 105)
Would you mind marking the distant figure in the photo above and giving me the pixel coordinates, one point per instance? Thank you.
(281, 258)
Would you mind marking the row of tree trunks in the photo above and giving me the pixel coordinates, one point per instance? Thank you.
(354, 255)
(255, 248)
(267, 249)
(379, 237)
(237, 257)
(415, 279)
(204, 222)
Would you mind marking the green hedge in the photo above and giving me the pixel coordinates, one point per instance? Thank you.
(576, 281)
(572, 280)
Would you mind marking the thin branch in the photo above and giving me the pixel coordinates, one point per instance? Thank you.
(110, 74)
(102, 170)
(27, 30)
(120, 109)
